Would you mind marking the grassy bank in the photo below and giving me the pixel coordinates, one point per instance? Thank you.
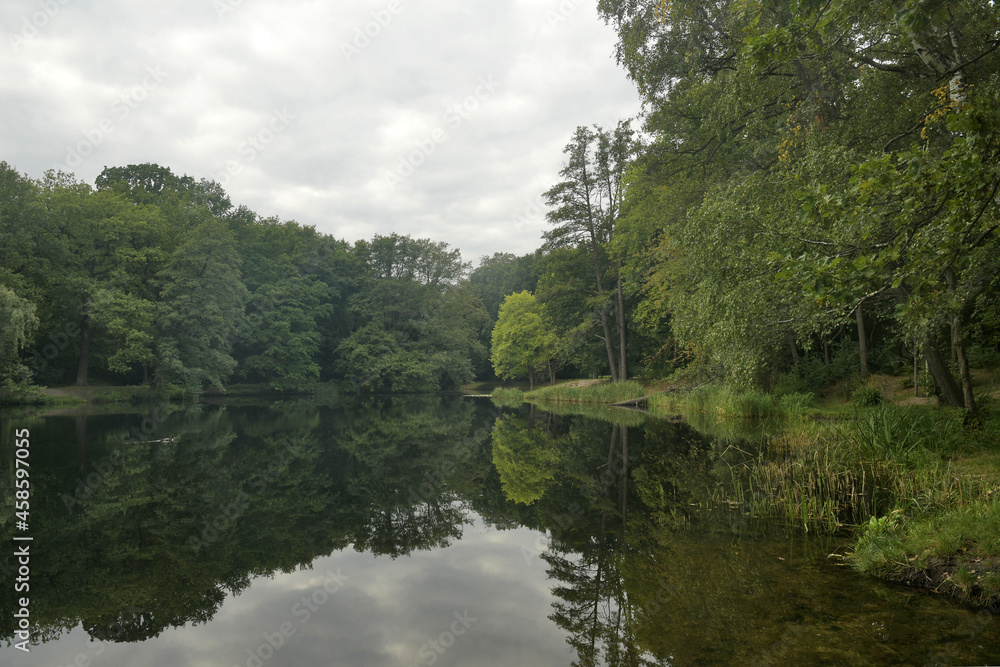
(914, 486)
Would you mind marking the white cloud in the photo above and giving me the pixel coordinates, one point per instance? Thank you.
(356, 114)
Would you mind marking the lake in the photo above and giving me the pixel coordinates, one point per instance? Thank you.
(426, 531)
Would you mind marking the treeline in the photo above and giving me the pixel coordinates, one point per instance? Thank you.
(152, 278)
(158, 278)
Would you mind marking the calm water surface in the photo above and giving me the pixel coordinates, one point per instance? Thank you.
(432, 531)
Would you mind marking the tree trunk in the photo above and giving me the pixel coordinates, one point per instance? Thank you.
(826, 352)
(862, 342)
(604, 308)
(622, 331)
(795, 351)
(81, 371)
(943, 378)
(552, 373)
(958, 342)
(916, 369)
(608, 346)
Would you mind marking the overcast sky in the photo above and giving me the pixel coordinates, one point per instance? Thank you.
(439, 118)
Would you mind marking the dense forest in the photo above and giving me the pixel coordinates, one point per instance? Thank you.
(813, 193)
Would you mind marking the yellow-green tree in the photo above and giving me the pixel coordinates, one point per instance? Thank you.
(522, 342)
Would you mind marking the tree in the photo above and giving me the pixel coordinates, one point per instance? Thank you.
(501, 274)
(150, 183)
(17, 324)
(415, 326)
(202, 301)
(587, 206)
(89, 242)
(291, 299)
(129, 321)
(523, 342)
(881, 116)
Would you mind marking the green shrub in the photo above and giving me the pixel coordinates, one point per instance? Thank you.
(887, 434)
(983, 357)
(796, 403)
(507, 396)
(866, 396)
(879, 548)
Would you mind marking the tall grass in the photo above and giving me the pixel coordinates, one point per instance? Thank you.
(730, 403)
(822, 475)
(607, 392)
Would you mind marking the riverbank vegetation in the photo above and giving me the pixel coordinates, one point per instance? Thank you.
(912, 487)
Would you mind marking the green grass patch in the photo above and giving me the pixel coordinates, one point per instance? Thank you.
(729, 403)
(605, 392)
(19, 395)
(972, 531)
(507, 396)
(879, 550)
(866, 396)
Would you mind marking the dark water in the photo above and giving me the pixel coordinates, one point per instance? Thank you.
(434, 531)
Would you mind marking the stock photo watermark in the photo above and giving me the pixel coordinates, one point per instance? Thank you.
(121, 109)
(563, 11)
(455, 115)
(255, 144)
(532, 213)
(223, 7)
(364, 34)
(301, 612)
(32, 24)
(434, 648)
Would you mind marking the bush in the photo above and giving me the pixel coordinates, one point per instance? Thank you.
(866, 396)
(796, 403)
(507, 397)
(879, 550)
(983, 357)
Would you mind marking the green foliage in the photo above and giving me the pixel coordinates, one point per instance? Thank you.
(507, 396)
(879, 550)
(604, 392)
(586, 208)
(983, 357)
(129, 321)
(282, 338)
(797, 170)
(866, 396)
(201, 308)
(17, 324)
(522, 340)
